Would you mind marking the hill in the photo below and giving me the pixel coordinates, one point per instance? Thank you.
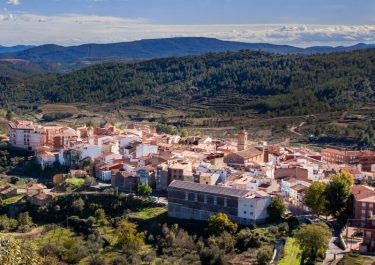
(218, 82)
(82, 55)
(16, 48)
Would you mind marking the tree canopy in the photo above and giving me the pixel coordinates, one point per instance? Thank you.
(313, 240)
(276, 209)
(218, 223)
(315, 197)
(337, 193)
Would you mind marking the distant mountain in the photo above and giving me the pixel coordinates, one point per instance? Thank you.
(16, 48)
(75, 57)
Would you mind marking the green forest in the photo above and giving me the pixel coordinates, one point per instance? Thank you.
(229, 81)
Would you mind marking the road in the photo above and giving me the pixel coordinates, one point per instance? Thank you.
(334, 252)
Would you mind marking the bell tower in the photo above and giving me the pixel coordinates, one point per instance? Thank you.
(242, 140)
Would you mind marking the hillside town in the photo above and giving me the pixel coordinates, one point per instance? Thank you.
(199, 175)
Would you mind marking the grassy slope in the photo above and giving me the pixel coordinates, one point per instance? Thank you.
(292, 254)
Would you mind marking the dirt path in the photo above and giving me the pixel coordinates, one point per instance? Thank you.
(293, 128)
(33, 233)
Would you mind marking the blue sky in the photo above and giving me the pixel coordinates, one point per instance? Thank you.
(297, 22)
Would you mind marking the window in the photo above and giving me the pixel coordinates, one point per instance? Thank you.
(191, 196)
(220, 201)
(244, 212)
(363, 211)
(363, 204)
(210, 199)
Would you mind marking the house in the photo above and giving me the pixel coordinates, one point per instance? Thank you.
(40, 198)
(363, 203)
(180, 170)
(241, 158)
(209, 178)
(287, 183)
(368, 230)
(34, 188)
(46, 159)
(297, 171)
(188, 200)
(143, 174)
(338, 156)
(7, 191)
(367, 162)
(36, 195)
(124, 181)
(26, 135)
(143, 150)
(296, 195)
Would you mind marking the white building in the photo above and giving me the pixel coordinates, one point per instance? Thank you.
(24, 134)
(145, 150)
(90, 150)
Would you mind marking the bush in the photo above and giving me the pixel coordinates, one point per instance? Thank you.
(264, 255)
(212, 256)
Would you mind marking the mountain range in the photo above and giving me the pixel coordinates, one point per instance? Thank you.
(17, 48)
(86, 54)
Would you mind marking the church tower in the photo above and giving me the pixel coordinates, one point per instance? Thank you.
(242, 140)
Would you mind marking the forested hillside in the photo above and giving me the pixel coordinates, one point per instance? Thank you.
(222, 82)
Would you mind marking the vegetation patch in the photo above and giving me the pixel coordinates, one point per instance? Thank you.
(12, 200)
(356, 259)
(292, 253)
(148, 213)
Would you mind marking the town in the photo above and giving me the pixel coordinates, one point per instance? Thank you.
(197, 177)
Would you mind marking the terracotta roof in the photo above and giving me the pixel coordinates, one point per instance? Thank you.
(22, 125)
(35, 186)
(249, 153)
(363, 193)
(299, 187)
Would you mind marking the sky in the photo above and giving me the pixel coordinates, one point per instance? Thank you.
(294, 22)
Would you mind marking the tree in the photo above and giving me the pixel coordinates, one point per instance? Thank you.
(9, 115)
(315, 197)
(7, 224)
(24, 222)
(100, 216)
(219, 223)
(264, 255)
(313, 240)
(337, 193)
(128, 238)
(144, 189)
(87, 163)
(276, 209)
(79, 205)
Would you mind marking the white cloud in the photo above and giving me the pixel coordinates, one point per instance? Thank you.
(69, 29)
(14, 2)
